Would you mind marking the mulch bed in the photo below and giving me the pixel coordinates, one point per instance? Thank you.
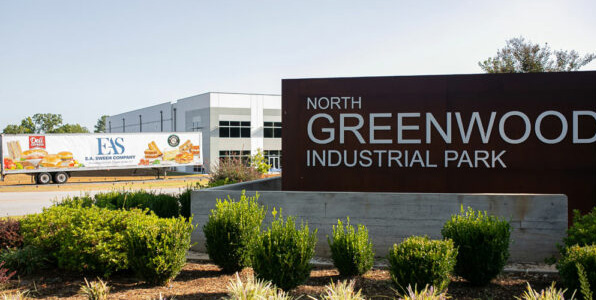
(203, 280)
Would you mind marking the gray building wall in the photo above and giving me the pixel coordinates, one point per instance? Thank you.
(202, 113)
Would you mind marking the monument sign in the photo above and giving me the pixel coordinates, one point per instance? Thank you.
(485, 133)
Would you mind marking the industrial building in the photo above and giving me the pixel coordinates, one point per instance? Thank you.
(232, 125)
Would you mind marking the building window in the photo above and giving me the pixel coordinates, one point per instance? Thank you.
(272, 129)
(235, 154)
(234, 129)
(273, 157)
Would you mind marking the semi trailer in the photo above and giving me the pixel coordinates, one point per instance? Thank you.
(55, 157)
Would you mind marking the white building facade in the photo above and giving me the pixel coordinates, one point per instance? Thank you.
(232, 125)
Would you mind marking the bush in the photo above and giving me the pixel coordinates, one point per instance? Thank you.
(259, 162)
(419, 261)
(157, 247)
(230, 229)
(232, 170)
(282, 253)
(26, 260)
(483, 244)
(351, 250)
(81, 239)
(163, 205)
(10, 237)
(5, 274)
(184, 200)
(583, 230)
(584, 256)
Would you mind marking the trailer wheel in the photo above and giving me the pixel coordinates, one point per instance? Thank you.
(43, 178)
(60, 177)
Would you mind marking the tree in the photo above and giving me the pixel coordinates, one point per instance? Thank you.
(521, 56)
(101, 124)
(71, 128)
(47, 123)
(44, 123)
(27, 126)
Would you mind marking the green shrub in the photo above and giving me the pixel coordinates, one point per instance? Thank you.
(419, 261)
(230, 229)
(26, 260)
(10, 237)
(184, 200)
(351, 251)
(583, 230)
(163, 205)
(76, 201)
(157, 247)
(282, 253)
(567, 266)
(259, 162)
(81, 239)
(483, 244)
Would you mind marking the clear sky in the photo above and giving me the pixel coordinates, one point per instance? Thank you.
(83, 59)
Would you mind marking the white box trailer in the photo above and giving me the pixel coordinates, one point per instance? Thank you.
(53, 157)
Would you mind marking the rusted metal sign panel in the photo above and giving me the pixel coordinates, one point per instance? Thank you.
(486, 133)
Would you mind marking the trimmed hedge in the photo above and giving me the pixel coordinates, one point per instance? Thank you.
(419, 261)
(231, 228)
(163, 205)
(351, 250)
(483, 244)
(95, 240)
(282, 253)
(157, 247)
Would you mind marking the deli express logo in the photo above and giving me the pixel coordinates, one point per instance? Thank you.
(37, 141)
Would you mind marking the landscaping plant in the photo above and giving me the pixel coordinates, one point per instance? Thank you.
(583, 230)
(254, 289)
(10, 237)
(427, 293)
(343, 290)
(95, 290)
(568, 266)
(259, 162)
(232, 170)
(483, 244)
(26, 260)
(5, 274)
(351, 250)
(282, 253)
(419, 261)
(157, 247)
(551, 293)
(84, 239)
(230, 229)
